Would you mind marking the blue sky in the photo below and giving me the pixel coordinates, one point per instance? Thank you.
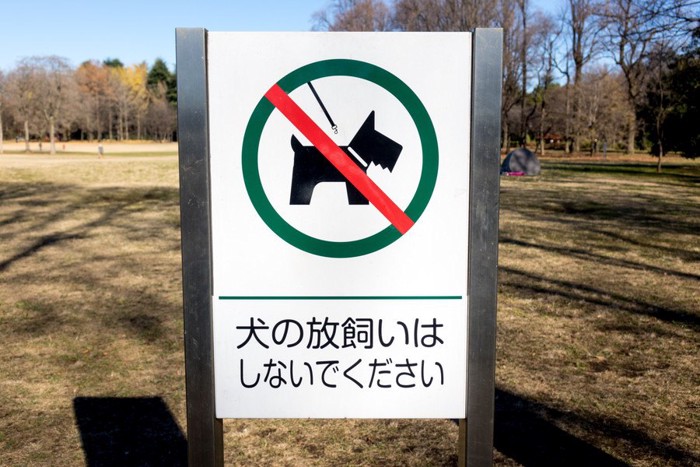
(134, 30)
(137, 30)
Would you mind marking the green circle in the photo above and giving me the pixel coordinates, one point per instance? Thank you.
(251, 143)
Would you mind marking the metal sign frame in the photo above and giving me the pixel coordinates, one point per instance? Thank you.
(204, 430)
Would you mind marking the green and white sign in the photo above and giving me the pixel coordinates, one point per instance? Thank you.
(339, 188)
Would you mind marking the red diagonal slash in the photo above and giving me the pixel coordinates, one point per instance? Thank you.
(339, 159)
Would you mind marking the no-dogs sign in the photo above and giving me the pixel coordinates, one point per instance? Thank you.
(325, 161)
(339, 187)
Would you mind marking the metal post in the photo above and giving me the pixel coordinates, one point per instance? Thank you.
(204, 430)
(476, 434)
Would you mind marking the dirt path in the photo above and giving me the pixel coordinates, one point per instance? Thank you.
(91, 147)
(13, 155)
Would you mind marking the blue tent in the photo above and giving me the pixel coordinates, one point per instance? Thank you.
(520, 162)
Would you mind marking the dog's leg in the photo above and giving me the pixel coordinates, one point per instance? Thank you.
(302, 179)
(302, 186)
(354, 195)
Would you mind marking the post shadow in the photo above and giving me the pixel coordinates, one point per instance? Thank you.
(524, 435)
(137, 431)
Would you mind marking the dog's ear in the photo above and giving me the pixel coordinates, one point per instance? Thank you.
(369, 123)
(296, 145)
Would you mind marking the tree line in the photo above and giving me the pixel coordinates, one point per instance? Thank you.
(45, 99)
(597, 75)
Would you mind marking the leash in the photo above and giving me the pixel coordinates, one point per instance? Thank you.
(334, 127)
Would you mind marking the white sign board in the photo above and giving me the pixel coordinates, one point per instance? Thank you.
(339, 187)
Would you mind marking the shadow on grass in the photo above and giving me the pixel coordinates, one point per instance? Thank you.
(129, 431)
(37, 246)
(686, 173)
(522, 433)
(685, 255)
(527, 432)
(586, 254)
(143, 432)
(112, 204)
(580, 211)
(140, 311)
(531, 284)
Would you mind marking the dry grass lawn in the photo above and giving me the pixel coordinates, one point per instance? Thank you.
(599, 309)
(598, 327)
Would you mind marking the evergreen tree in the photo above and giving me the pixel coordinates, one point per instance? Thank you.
(160, 74)
(682, 124)
(671, 110)
(113, 63)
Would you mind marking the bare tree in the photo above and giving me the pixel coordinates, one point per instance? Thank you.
(354, 15)
(22, 91)
(117, 95)
(55, 87)
(632, 28)
(603, 107)
(659, 98)
(523, 7)
(121, 94)
(160, 116)
(93, 82)
(562, 62)
(40, 89)
(464, 15)
(511, 66)
(544, 44)
(445, 15)
(418, 15)
(2, 108)
(582, 27)
(138, 94)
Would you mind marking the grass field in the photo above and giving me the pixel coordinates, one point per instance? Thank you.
(598, 328)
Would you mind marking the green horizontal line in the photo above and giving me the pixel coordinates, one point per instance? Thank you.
(341, 297)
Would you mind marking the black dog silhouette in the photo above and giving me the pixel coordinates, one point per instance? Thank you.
(311, 167)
